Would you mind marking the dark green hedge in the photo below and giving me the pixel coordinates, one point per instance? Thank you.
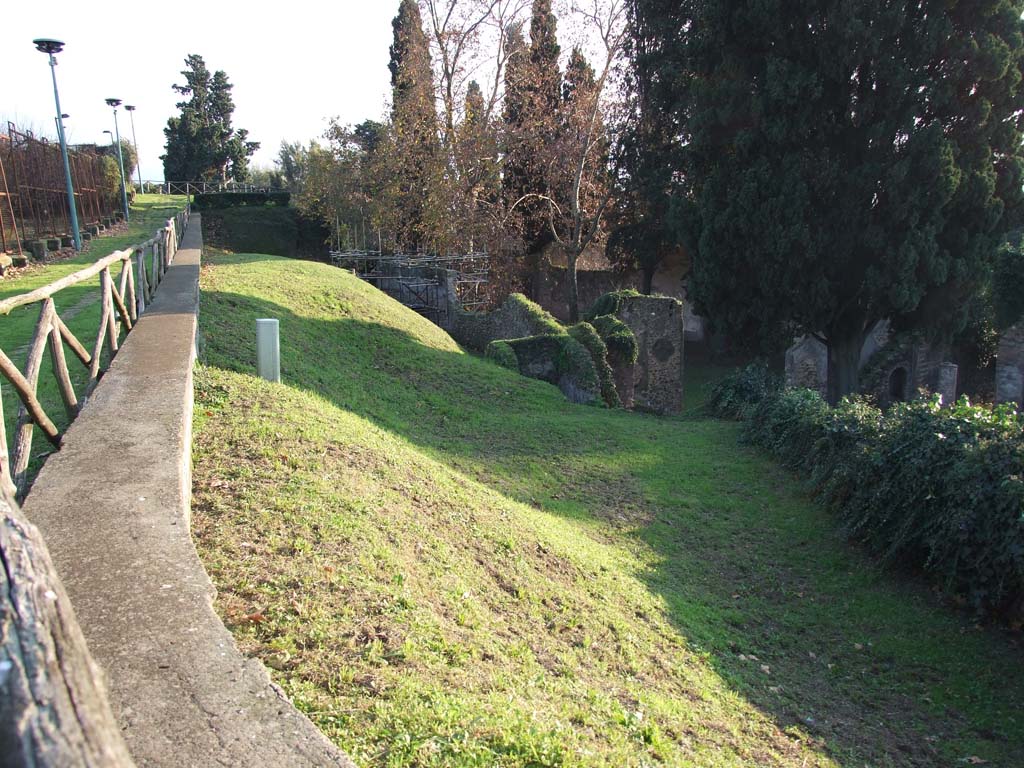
(588, 336)
(212, 200)
(933, 488)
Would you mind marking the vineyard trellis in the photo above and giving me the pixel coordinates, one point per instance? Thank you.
(143, 266)
(34, 190)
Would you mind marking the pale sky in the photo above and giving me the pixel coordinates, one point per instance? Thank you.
(293, 65)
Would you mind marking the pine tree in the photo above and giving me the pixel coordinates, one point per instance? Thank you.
(201, 143)
(849, 162)
(414, 126)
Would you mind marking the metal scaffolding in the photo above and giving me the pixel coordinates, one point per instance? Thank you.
(423, 282)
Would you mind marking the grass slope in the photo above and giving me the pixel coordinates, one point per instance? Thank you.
(78, 306)
(444, 563)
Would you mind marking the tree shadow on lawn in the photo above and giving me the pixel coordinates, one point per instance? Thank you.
(867, 664)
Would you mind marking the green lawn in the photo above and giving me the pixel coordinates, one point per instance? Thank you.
(445, 563)
(79, 306)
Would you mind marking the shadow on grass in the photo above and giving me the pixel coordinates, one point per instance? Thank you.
(805, 628)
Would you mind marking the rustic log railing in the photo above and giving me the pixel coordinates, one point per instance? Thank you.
(143, 267)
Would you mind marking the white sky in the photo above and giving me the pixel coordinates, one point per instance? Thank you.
(293, 66)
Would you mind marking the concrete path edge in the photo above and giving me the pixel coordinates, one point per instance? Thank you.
(114, 508)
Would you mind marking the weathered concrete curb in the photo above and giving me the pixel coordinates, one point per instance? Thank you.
(113, 507)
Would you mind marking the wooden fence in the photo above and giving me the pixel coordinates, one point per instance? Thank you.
(143, 266)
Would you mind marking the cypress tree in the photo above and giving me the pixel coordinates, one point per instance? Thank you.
(533, 95)
(414, 123)
(201, 142)
(849, 162)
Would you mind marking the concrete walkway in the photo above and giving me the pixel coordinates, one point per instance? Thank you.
(113, 506)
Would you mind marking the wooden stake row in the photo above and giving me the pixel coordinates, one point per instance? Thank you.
(121, 307)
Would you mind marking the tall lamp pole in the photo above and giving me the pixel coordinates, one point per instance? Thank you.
(135, 142)
(51, 47)
(115, 103)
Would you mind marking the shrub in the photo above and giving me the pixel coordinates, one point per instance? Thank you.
(212, 200)
(501, 352)
(586, 335)
(933, 488)
(735, 394)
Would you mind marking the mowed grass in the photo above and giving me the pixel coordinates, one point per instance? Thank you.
(447, 564)
(78, 306)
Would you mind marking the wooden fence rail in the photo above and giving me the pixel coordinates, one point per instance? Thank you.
(122, 301)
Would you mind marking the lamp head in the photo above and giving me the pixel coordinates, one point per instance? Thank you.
(46, 45)
(129, 108)
(113, 103)
(64, 116)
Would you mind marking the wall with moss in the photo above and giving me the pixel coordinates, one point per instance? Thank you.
(517, 318)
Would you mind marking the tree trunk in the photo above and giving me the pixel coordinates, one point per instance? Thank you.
(843, 365)
(648, 281)
(571, 257)
(53, 704)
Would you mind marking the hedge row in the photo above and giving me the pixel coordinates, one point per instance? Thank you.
(936, 489)
(212, 200)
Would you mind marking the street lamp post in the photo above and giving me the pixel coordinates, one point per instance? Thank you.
(114, 103)
(51, 47)
(135, 142)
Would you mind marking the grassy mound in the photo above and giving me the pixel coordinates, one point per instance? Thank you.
(445, 563)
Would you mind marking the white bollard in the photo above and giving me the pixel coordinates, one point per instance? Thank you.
(268, 349)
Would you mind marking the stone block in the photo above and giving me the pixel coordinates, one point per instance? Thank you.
(1010, 366)
(807, 365)
(945, 382)
(94, 230)
(53, 244)
(38, 249)
(86, 237)
(6, 262)
(658, 325)
(20, 261)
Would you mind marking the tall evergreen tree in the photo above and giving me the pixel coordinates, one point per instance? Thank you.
(201, 143)
(414, 125)
(850, 162)
(641, 235)
(546, 82)
(533, 98)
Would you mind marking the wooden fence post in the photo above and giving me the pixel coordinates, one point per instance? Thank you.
(54, 709)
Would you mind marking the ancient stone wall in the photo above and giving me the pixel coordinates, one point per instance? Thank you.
(657, 323)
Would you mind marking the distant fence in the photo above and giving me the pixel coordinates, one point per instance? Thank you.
(201, 187)
(142, 268)
(33, 189)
